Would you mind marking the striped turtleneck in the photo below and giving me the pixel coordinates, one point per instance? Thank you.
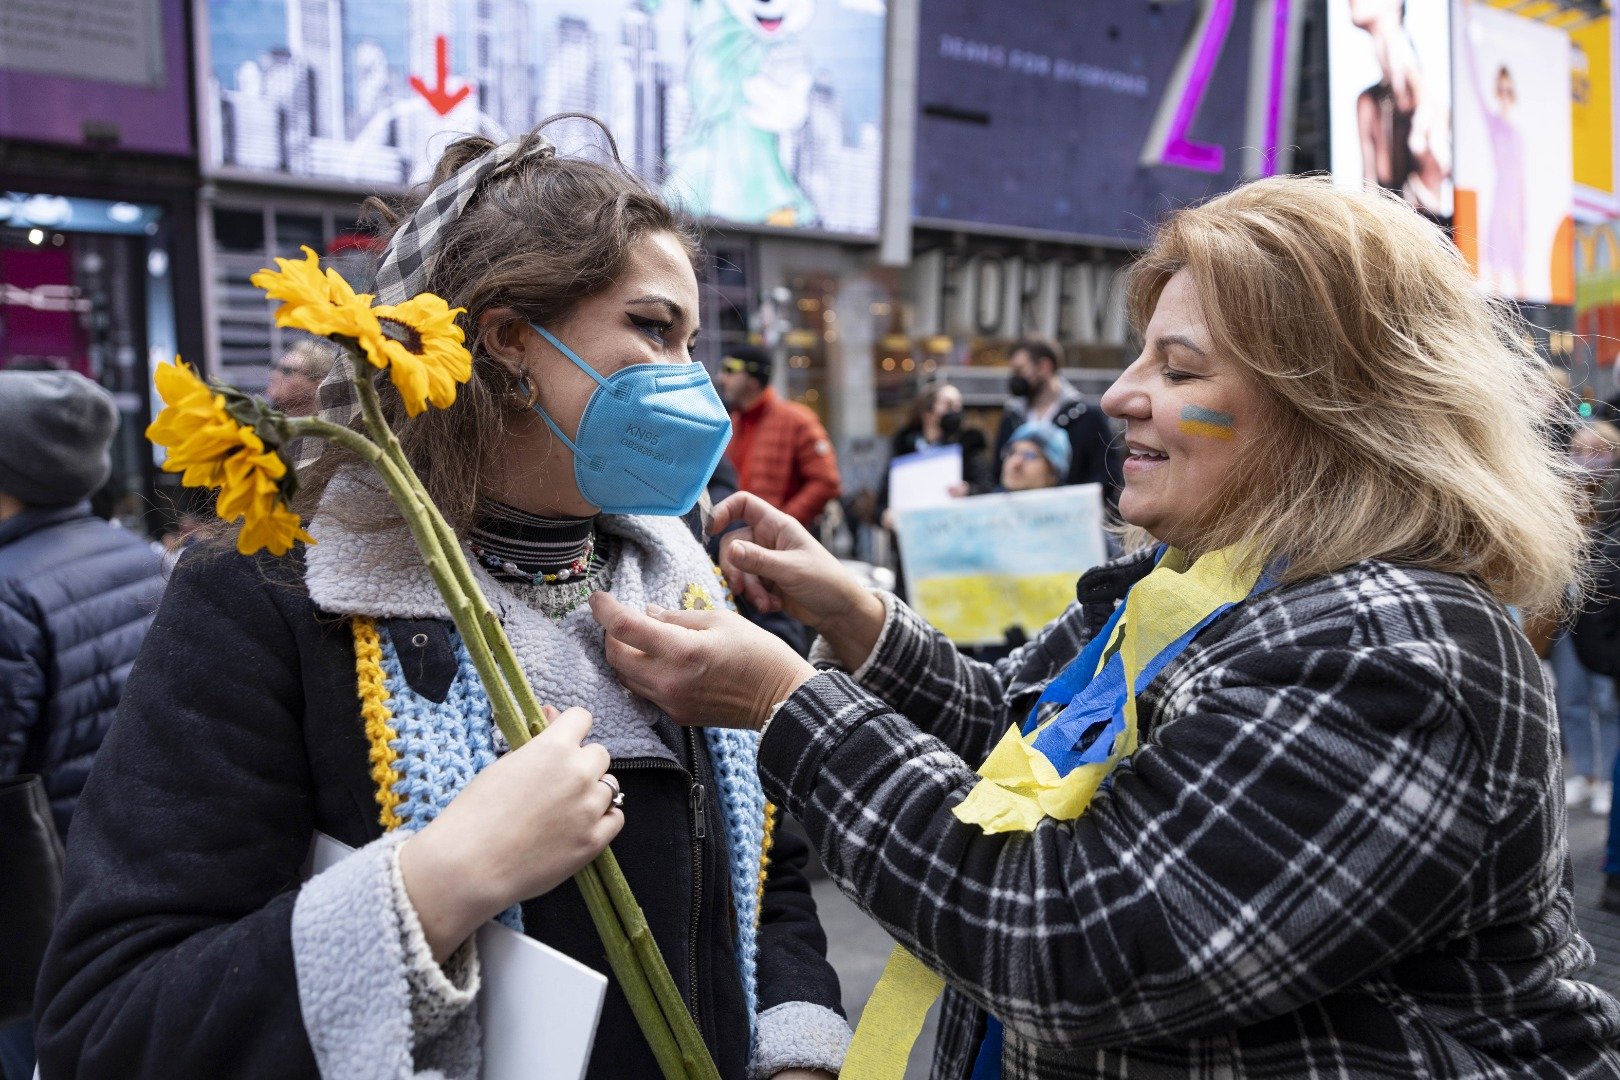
(534, 544)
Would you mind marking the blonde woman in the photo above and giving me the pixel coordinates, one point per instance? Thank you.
(1338, 848)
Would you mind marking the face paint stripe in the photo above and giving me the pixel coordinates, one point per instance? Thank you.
(1206, 416)
(1210, 423)
(1209, 431)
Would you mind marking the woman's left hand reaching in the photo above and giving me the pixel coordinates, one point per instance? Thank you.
(709, 668)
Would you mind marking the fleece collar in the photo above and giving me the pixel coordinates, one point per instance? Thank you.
(379, 573)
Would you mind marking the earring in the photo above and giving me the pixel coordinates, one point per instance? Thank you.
(524, 393)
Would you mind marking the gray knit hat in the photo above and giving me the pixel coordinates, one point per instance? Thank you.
(55, 428)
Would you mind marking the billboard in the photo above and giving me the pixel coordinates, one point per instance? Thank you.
(760, 112)
(1514, 188)
(112, 79)
(1092, 119)
(1389, 90)
(1591, 96)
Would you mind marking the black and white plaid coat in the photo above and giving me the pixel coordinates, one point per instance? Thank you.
(1338, 852)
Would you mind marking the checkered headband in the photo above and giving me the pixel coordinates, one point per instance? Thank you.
(405, 267)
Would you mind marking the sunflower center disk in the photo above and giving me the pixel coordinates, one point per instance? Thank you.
(404, 333)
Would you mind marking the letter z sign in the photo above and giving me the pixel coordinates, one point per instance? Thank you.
(1169, 140)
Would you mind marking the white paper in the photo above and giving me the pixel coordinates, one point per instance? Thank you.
(538, 1008)
(924, 478)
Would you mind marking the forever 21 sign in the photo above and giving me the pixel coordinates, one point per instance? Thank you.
(993, 295)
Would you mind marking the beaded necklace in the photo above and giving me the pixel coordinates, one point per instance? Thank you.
(573, 570)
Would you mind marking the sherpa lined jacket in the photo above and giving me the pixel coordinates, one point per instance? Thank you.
(239, 735)
(1338, 852)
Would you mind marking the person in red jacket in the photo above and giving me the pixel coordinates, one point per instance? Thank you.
(780, 449)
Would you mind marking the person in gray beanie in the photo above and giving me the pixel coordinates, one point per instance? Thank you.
(55, 430)
(76, 596)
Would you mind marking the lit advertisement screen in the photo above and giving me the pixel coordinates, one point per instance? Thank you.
(1515, 188)
(1389, 80)
(760, 112)
(1088, 119)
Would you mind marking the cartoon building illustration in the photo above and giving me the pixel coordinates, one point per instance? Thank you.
(720, 102)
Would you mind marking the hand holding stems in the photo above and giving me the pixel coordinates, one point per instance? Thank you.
(776, 565)
(522, 827)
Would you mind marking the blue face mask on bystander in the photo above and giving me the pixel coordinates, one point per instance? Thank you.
(649, 438)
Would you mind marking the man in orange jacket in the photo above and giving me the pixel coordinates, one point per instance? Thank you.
(780, 449)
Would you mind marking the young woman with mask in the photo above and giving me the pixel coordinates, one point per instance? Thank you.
(329, 692)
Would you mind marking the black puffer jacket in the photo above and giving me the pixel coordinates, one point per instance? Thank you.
(76, 597)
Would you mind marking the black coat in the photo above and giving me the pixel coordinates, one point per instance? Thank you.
(238, 737)
(76, 597)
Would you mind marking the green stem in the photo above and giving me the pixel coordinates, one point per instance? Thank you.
(407, 495)
(475, 613)
(695, 1051)
(629, 967)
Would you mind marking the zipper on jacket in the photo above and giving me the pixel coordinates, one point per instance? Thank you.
(700, 821)
(699, 831)
(698, 802)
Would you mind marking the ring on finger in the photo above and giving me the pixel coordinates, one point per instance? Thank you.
(617, 802)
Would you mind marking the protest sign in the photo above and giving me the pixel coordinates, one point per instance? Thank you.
(977, 566)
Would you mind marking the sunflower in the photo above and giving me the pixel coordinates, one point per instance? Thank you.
(213, 447)
(420, 343)
(418, 340)
(316, 300)
(195, 427)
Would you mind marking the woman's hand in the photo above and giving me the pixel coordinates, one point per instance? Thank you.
(776, 565)
(520, 828)
(708, 668)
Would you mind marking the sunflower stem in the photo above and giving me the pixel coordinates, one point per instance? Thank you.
(634, 922)
(469, 607)
(407, 495)
(629, 966)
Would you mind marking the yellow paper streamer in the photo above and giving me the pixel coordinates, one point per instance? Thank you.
(1020, 787)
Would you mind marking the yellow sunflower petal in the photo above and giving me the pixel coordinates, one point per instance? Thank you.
(193, 426)
(249, 479)
(298, 284)
(313, 299)
(274, 528)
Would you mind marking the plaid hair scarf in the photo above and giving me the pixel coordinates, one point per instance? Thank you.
(406, 264)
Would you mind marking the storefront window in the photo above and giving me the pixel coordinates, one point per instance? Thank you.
(85, 287)
(811, 328)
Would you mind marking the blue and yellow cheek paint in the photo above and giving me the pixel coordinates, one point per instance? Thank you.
(1196, 420)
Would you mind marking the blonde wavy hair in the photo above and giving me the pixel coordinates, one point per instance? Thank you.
(1409, 417)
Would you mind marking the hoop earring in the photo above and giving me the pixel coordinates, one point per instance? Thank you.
(524, 393)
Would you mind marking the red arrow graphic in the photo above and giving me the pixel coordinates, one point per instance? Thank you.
(437, 96)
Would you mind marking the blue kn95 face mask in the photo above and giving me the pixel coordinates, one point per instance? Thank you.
(649, 439)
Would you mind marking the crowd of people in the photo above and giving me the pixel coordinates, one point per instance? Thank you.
(1295, 786)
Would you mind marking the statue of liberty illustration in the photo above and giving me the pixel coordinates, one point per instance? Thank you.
(749, 85)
